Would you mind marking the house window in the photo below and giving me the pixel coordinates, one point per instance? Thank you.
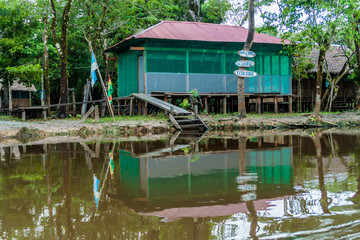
(205, 62)
(20, 94)
(166, 61)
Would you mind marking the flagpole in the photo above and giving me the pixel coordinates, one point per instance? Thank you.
(103, 87)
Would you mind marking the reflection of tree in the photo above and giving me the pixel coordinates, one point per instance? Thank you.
(254, 218)
(325, 201)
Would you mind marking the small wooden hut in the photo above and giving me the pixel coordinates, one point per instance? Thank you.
(347, 88)
(173, 58)
(20, 95)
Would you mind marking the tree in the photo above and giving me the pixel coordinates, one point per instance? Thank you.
(247, 46)
(214, 11)
(18, 57)
(316, 23)
(62, 49)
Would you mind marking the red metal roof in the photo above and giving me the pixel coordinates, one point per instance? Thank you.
(197, 31)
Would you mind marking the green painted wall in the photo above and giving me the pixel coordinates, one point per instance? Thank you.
(127, 72)
(163, 56)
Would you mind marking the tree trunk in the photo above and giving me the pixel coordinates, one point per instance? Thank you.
(46, 63)
(357, 50)
(63, 89)
(317, 108)
(247, 46)
(62, 48)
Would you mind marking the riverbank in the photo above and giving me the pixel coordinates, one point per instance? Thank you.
(150, 126)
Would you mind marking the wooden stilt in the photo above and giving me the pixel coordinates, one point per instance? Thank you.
(290, 104)
(275, 105)
(132, 108)
(206, 105)
(259, 105)
(145, 108)
(224, 105)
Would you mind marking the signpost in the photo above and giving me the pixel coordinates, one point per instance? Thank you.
(242, 73)
(244, 63)
(245, 53)
(245, 73)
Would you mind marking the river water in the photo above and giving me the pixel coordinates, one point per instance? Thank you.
(187, 187)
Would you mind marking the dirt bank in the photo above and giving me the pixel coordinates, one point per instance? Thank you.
(51, 128)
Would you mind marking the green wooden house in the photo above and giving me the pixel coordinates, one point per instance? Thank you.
(182, 56)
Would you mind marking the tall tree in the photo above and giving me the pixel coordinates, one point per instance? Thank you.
(62, 49)
(316, 23)
(247, 46)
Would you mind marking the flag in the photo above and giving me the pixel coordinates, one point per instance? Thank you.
(112, 164)
(110, 90)
(94, 67)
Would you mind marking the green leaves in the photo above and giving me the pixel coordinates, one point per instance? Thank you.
(26, 73)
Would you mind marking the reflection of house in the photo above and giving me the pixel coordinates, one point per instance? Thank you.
(347, 88)
(183, 180)
(20, 95)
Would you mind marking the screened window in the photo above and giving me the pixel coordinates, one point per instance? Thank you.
(230, 60)
(20, 94)
(166, 61)
(205, 62)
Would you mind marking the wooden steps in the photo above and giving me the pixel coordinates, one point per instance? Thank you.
(187, 123)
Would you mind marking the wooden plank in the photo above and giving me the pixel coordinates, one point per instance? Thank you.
(172, 119)
(137, 48)
(87, 114)
(161, 104)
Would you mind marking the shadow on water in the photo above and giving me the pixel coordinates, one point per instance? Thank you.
(185, 187)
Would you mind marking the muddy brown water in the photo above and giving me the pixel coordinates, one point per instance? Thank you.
(191, 187)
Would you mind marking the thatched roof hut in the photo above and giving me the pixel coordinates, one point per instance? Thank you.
(17, 86)
(335, 58)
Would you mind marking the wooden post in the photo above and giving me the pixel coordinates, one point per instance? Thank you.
(44, 114)
(145, 108)
(131, 107)
(73, 98)
(206, 105)
(290, 104)
(23, 115)
(104, 89)
(224, 105)
(10, 97)
(96, 113)
(119, 107)
(275, 105)
(259, 105)
(196, 111)
(86, 97)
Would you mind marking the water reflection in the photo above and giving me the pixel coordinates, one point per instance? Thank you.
(186, 187)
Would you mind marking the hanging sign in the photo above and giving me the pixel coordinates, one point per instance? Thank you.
(245, 63)
(245, 53)
(245, 73)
